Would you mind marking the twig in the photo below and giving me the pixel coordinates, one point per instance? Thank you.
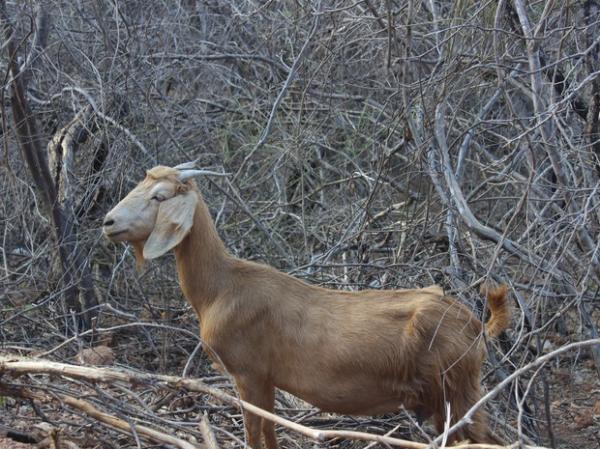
(536, 84)
(112, 328)
(536, 363)
(110, 120)
(291, 75)
(109, 420)
(20, 365)
(113, 421)
(209, 437)
(465, 211)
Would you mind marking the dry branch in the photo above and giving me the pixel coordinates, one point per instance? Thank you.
(105, 418)
(465, 211)
(209, 436)
(519, 92)
(113, 421)
(30, 140)
(286, 85)
(17, 366)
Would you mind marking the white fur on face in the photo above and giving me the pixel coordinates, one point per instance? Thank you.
(134, 217)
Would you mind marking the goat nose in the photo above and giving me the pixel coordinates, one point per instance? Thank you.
(108, 222)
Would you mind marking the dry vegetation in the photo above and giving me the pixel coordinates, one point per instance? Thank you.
(371, 144)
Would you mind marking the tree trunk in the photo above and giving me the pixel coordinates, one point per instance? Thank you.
(77, 278)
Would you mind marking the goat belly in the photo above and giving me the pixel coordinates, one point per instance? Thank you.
(356, 396)
(370, 406)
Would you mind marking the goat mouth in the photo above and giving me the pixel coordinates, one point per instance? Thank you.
(112, 235)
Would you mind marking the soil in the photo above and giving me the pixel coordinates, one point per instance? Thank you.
(575, 405)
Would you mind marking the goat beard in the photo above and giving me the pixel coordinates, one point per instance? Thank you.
(138, 251)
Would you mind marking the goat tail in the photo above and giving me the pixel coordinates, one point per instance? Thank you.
(499, 307)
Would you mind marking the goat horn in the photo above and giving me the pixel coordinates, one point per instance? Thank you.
(187, 174)
(186, 165)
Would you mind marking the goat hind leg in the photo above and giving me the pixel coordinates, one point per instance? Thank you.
(477, 431)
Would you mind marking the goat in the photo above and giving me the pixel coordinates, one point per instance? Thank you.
(359, 353)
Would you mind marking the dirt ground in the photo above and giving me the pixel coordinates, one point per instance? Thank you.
(575, 405)
(7, 443)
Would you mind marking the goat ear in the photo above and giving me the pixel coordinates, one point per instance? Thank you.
(173, 222)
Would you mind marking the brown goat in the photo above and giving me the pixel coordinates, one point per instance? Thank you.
(360, 353)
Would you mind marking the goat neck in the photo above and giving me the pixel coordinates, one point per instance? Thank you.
(202, 260)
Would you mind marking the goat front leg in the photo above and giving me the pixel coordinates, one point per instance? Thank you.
(262, 394)
(268, 427)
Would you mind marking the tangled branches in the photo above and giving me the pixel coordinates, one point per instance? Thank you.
(375, 144)
(127, 403)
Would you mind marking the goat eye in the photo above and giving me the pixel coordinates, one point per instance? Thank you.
(158, 198)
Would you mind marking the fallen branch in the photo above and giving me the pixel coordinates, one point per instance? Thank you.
(17, 366)
(465, 212)
(291, 75)
(105, 418)
(120, 424)
(209, 437)
(530, 366)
